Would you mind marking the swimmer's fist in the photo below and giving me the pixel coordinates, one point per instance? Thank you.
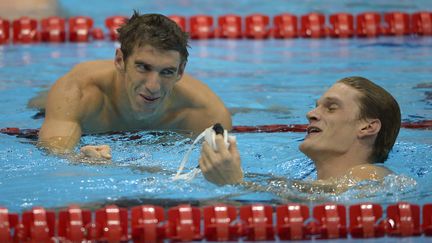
(223, 166)
(97, 152)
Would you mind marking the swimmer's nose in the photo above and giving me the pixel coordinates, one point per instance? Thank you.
(153, 83)
(312, 115)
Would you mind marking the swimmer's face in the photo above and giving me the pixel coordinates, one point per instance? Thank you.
(150, 75)
(333, 124)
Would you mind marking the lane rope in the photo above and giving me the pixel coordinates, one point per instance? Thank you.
(421, 125)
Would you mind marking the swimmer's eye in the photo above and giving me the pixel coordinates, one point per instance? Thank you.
(332, 107)
(167, 73)
(143, 67)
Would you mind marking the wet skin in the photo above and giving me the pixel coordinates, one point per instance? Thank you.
(147, 91)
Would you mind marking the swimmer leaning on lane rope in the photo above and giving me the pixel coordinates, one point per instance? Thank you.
(144, 88)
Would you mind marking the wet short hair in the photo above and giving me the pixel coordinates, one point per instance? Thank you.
(155, 30)
(376, 103)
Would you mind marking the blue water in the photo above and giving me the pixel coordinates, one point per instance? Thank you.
(99, 9)
(261, 82)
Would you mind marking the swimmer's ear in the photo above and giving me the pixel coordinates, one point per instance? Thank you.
(369, 127)
(119, 61)
(181, 71)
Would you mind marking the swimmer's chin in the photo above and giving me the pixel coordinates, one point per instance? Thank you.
(144, 113)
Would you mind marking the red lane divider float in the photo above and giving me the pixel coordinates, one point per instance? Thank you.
(72, 222)
(180, 20)
(427, 219)
(329, 221)
(403, 219)
(8, 223)
(25, 31)
(230, 27)
(4, 31)
(366, 221)
(112, 24)
(368, 24)
(254, 26)
(37, 225)
(147, 223)
(184, 223)
(424, 124)
(220, 222)
(201, 27)
(80, 28)
(422, 23)
(257, 26)
(291, 222)
(53, 29)
(257, 222)
(313, 26)
(342, 25)
(285, 26)
(398, 23)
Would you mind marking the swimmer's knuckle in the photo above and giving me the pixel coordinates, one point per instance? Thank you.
(225, 157)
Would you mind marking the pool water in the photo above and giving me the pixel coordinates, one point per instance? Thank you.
(261, 82)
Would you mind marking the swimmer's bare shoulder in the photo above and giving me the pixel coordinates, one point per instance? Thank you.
(200, 104)
(85, 85)
(368, 172)
(99, 73)
(341, 184)
(75, 96)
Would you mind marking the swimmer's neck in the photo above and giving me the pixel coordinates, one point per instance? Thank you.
(335, 164)
(338, 166)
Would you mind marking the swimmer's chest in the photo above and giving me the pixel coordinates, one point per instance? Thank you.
(108, 121)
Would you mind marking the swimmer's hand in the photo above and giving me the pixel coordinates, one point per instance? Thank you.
(222, 166)
(97, 152)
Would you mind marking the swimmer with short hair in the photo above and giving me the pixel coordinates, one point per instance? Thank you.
(351, 130)
(145, 88)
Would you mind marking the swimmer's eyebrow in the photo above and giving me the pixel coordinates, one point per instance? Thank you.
(328, 100)
(171, 68)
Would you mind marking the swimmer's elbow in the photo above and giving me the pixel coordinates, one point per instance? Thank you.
(54, 147)
(52, 140)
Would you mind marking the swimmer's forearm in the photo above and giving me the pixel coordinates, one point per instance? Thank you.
(81, 158)
(56, 146)
(59, 137)
(72, 156)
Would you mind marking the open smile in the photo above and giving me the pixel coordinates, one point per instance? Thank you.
(312, 130)
(149, 99)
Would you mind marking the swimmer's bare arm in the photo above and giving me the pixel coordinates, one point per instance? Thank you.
(208, 109)
(66, 105)
(198, 120)
(61, 129)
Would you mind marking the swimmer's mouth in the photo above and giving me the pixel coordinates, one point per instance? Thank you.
(312, 129)
(149, 98)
